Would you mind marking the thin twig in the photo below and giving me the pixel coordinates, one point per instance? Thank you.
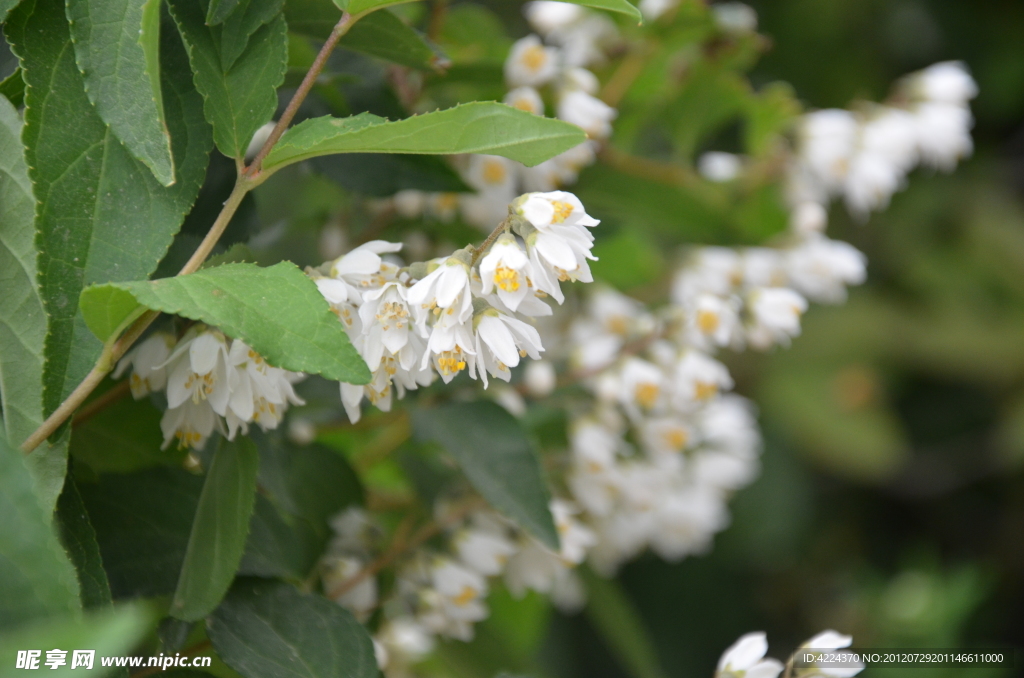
(94, 407)
(502, 227)
(626, 74)
(400, 547)
(340, 29)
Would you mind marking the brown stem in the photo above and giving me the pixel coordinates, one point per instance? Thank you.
(340, 29)
(109, 398)
(399, 546)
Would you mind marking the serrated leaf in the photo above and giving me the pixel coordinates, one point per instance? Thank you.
(219, 530)
(117, 47)
(5, 7)
(79, 540)
(480, 127)
(241, 24)
(112, 632)
(108, 309)
(22, 318)
(269, 630)
(13, 87)
(142, 522)
(241, 96)
(36, 579)
(277, 311)
(101, 214)
(219, 10)
(493, 451)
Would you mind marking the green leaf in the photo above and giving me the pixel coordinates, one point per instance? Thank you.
(277, 546)
(108, 309)
(101, 214)
(387, 37)
(380, 175)
(240, 94)
(142, 522)
(381, 34)
(36, 579)
(239, 27)
(619, 6)
(277, 311)
(493, 451)
(219, 10)
(117, 47)
(122, 437)
(480, 127)
(619, 624)
(5, 7)
(22, 318)
(112, 632)
(79, 540)
(269, 630)
(13, 87)
(219, 530)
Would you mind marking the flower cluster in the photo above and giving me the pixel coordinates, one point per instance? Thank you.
(211, 382)
(457, 313)
(864, 156)
(445, 593)
(573, 39)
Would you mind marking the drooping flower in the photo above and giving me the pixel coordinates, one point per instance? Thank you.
(501, 341)
(745, 659)
(530, 63)
(506, 271)
(147, 361)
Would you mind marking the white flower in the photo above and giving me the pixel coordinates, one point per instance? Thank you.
(828, 140)
(871, 179)
(540, 378)
(443, 295)
(830, 642)
(191, 423)
(686, 521)
(507, 268)
(718, 166)
(575, 538)
(343, 300)
(530, 63)
(728, 424)
(713, 319)
(716, 270)
(808, 218)
(946, 82)
(451, 349)
(763, 267)
(525, 99)
(363, 267)
(556, 208)
(698, 377)
(461, 591)
(641, 384)
(405, 640)
(198, 370)
(361, 599)
(654, 9)
(483, 551)
(745, 659)
(409, 203)
(665, 435)
(259, 392)
(944, 134)
(147, 361)
(500, 342)
(776, 312)
(722, 470)
(586, 111)
(386, 320)
(735, 17)
(547, 16)
(820, 268)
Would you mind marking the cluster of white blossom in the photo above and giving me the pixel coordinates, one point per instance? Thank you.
(733, 17)
(746, 658)
(211, 382)
(576, 38)
(459, 312)
(445, 593)
(864, 155)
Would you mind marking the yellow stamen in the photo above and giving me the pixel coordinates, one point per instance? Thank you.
(562, 211)
(535, 57)
(465, 597)
(705, 390)
(647, 394)
(707, 321)
(506, 279)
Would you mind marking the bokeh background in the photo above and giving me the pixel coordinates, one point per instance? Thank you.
(891, 505)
